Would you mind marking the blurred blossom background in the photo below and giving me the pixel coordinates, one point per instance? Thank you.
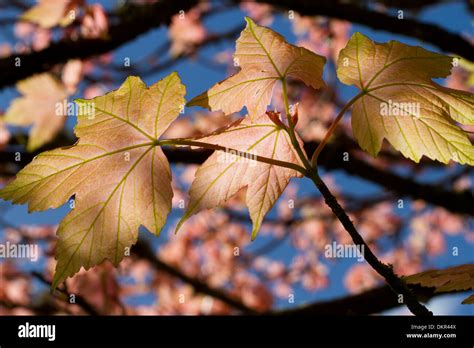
(285, 267)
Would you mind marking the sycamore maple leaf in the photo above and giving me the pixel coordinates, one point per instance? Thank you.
(469, 300)
(119, 176)
(49, 13)
(458, 278)
(264, 58)
(401, 102)
(223, 174)
(38, 107)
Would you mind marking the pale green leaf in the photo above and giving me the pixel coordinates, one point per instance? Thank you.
(402, 104)
(223, 174)
(119, 177)
(457, 278)
(264, 58)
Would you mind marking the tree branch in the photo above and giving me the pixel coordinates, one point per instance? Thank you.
(330, 158)
(430, 33)
(80, 301)
(456, 202)
(368, 302)
(143, 250)
(386, 271)
(133, 20)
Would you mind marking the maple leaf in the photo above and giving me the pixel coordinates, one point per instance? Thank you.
(37, 107)
(469, 300)
(457, 278)
(264, 58)
(401, 103)
(119, 176)
(49, 13)
(223, 174)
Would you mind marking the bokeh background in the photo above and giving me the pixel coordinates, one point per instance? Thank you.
(285, 267)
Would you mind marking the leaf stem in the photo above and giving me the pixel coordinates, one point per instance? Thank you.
(291, 129)
(322, 144)
(250, 156)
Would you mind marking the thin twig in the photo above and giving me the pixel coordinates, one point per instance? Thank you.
(143, 251)
(386, 271)
(322, 144)
(243, 154)
(311, 172)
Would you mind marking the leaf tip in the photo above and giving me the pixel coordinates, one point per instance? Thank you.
(54, 285)
(255, 230)
(174, 74)
(469, 300)
(249, 21)
(180, 224)
(358, 36)
(201, 100)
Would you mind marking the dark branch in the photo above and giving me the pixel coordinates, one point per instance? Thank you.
(369, 302)
(429, 33)
(80, 301)
(144, 252)
(456, 202)
(133, 20)
(386, 271)
(330, 158)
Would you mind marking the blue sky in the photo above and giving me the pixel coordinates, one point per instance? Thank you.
(198, 78)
